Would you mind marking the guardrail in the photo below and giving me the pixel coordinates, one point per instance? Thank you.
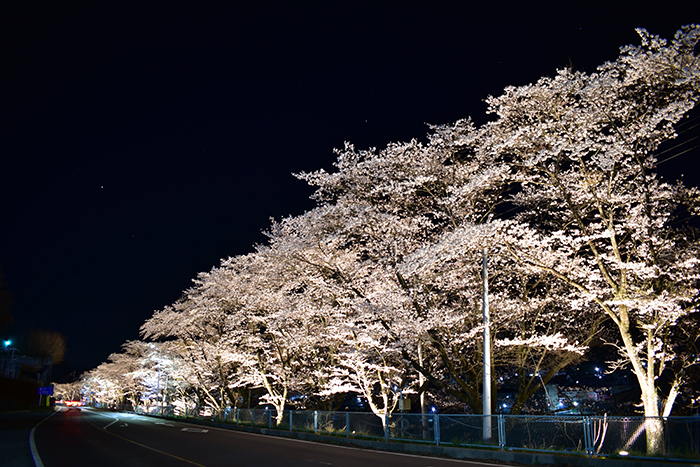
(587, 435)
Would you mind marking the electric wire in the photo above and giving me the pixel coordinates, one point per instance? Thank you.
(680, 131)
(678, 145)
(679, 154)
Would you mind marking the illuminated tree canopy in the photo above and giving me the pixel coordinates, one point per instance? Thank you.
(377, 290)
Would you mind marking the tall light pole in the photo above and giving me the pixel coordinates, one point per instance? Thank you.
(487, 349)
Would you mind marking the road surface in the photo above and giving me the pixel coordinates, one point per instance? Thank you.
(88, 437)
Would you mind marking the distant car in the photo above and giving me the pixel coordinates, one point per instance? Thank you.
(73, 403)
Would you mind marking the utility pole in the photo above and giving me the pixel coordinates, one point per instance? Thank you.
(487, 349)
(158, 390)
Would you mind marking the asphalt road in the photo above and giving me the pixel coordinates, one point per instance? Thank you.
(88, 437)
(14, 437)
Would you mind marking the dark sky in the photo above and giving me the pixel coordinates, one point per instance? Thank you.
(139, 145)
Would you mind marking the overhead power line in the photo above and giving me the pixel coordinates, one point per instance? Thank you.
(679, 154)
(678, 145)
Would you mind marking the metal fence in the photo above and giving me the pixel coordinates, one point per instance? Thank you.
(589, 435)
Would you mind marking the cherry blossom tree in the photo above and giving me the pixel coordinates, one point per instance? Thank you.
(67, 391)
(251, 323)
(370, 370)
(591, 210)
(284, 319)
(112, 382)
(382, 205)
(355, 305)
(141, 373)
(159, 373)
(204, 328)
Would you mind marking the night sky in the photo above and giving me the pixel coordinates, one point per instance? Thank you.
(140, 145)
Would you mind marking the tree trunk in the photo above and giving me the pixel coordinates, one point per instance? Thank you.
(653, 424)
(425, 433)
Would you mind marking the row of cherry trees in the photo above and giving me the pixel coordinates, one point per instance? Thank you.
(378, 289)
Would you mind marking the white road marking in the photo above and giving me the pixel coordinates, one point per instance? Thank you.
(110, 424)
(163, 423)
(195, 430)
(32, 445)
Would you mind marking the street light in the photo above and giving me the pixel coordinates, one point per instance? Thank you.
(8, 343)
